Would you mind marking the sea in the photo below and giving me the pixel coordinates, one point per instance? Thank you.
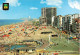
(9, 21)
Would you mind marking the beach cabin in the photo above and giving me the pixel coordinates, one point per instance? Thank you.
(25, 49)
(54, 35)
(42, 52)
(46, 32)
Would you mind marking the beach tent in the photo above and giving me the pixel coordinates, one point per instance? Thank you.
(10, 33)
(54, 35)
(45, 32)
(35, 30)
(25, 32)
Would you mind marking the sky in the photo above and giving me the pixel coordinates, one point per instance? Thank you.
(24, 8)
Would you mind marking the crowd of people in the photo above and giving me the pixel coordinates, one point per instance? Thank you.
(16, 32)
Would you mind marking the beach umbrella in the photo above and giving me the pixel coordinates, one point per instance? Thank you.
(7, 35)
(4, 35)
(10, 30)
(74, 37)
(44, 27)
(55, 53)
(35, 30)
(22, 29)
(71, 37)
(39, 29)
(27, 27)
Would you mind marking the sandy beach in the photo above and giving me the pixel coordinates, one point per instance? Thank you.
(12, 34)
(15, 32)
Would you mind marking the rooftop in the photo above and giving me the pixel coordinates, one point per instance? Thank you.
(50, 7)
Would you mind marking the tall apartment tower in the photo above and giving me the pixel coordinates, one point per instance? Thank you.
(43, 12)
(48, 13)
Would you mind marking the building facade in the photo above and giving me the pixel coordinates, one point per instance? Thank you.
(50, 12)
(47, 14)
(59, 20)
(42, 21)
(68, 22)
(63, 23)
(76, 25)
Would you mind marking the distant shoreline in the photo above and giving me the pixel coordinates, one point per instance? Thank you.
(12, 22)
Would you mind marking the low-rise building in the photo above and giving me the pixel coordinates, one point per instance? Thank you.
(42, 21)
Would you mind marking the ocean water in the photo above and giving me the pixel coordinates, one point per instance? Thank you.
(7, 21)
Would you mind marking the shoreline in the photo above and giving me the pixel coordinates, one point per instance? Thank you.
(12, 23)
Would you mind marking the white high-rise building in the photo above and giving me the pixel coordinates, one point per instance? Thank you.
(53, 20)
(74, 16)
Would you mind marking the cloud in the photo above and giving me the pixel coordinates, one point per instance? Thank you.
(33, 8)
(43, 1)
(13, 2)
(52, 2)
(74, 4)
